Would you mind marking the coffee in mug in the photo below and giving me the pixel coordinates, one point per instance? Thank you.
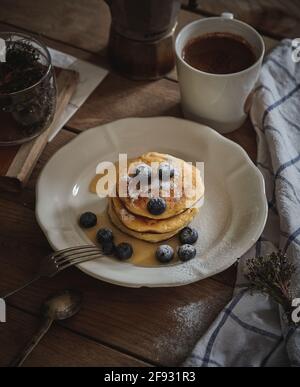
(218, 63)
(219, 53)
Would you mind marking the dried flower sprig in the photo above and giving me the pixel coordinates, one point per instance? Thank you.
(272, 275)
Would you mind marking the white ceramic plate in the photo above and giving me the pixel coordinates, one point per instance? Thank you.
(229, 223)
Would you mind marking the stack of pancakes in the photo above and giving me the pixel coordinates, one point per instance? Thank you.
(130, 213)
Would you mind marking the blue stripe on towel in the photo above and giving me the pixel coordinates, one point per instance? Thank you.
(269, 127)
(272, 203)
(287, 164)
(291, 123)
(290, 333)
(213, 362)
(285, 70)
(292, 238)
(267, 358)
(287, 235)
(278, 103)
(225, 317)
(279, 171)
(254, 329)
(291, 187)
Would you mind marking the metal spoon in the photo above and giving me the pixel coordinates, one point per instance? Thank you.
(61, 306)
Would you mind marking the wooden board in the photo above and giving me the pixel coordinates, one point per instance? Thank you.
(17, 163)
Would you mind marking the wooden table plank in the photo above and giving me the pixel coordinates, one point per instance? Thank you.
(76, 351)
(83, 24)
(276, 18)
(159, 326)
(118, 97)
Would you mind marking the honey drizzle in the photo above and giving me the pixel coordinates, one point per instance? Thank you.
(144, 252)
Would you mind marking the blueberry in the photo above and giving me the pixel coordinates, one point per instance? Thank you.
(165, 170)
(104, 235)
(186, 252)
(88, 220)
(124, 251)
(188, 235)
(143, 169)
(164, 253)
(156, 206)
(108, 248)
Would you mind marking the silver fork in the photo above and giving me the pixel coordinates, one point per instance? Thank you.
(59, 261)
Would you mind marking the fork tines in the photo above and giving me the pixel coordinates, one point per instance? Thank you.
(75, 255)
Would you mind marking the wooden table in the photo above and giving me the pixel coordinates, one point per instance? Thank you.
(117, 326)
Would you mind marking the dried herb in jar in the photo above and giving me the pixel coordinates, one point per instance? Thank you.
(22, 68)
(27, 92)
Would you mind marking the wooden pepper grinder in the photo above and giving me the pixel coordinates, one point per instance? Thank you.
(141, 37)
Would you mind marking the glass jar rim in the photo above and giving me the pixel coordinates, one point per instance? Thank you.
(39, 43)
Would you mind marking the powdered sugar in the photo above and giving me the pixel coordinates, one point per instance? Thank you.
(126, 216)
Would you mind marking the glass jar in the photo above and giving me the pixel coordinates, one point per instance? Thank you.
(28, 90)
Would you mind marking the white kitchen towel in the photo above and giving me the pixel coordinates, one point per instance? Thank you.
(251, 331)
(90, 76)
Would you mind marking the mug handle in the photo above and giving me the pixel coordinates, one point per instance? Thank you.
(227, 15)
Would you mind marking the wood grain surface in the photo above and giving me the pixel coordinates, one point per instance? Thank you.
(76, 351)
(116, 326)
(81, 24)
(276, 18)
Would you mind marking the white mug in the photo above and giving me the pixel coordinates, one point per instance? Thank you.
(218, 100)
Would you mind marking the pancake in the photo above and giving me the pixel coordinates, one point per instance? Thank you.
(147, 237)
(141, 224)
(137, 205)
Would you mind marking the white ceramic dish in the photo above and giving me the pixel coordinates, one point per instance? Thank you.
(229, 223)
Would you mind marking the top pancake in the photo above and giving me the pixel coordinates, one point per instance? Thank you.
(177, 200)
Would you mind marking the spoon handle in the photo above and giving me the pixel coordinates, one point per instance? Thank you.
(20, 359)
